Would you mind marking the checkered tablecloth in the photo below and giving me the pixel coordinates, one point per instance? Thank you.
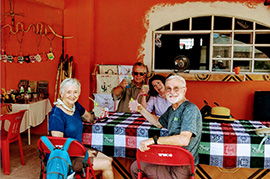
(231, 145)
(120, 134)
(226, 145)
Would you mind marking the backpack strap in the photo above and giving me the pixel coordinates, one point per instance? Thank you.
(67, 143)
(47, 142)
(86, 156)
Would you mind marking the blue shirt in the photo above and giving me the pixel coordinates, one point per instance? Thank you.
(70, 125)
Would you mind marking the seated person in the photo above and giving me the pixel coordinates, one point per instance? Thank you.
(184, 123)
(157, 101)
(125, 94)
(66, 121)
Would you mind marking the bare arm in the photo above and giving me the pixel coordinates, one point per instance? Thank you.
(57, 134)
(118, 90)
(88, 117)
(144, 92)
(143, 102)
(148, 116)
(181, 139)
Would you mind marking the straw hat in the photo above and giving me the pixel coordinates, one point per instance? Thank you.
(264, 131)
(220, 113)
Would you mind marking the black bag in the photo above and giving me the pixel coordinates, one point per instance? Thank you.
(206, 110)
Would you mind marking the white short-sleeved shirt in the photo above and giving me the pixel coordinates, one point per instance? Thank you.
(157, 104)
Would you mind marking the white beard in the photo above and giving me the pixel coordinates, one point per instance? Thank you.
(174, 98)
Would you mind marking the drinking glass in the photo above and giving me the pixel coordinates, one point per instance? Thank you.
(133, 105)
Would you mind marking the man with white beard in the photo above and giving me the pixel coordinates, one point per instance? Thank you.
(184, 123)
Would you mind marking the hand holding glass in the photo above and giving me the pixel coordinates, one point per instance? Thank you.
(133, 104)
(98, 111)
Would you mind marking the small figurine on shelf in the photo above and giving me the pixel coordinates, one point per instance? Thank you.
(35, 97)
(29, 93)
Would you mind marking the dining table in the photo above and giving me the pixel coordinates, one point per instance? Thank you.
(36, 113)
(223, 144)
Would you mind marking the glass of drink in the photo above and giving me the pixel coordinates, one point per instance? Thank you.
(145, 88)
(97, 111)
(128, 78)
(133, 105)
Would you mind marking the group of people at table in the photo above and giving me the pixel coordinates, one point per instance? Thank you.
(165, 106)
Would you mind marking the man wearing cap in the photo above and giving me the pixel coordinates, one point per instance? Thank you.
(125, 92)
(184, 123)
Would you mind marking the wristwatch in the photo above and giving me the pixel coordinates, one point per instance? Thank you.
(155, 139)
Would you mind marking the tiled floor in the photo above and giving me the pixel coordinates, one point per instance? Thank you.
(31, 169)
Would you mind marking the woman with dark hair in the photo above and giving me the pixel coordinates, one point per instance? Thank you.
(157, 102)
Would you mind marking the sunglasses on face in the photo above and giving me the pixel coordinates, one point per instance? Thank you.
(138, 73)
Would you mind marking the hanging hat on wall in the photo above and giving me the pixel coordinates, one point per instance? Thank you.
(220, 113)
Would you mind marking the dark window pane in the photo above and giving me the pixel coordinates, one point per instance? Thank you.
(262, 39)
(201, 23)
(262, 52)
(262, 66)
(242, 52)
(221, 65)
(222, 38)
(194, 46)
(221, 52)
(245, 66)
(166, 27)
(259, 27)
(243, 25)
(222, 23)
(181, 25)
(242, 38)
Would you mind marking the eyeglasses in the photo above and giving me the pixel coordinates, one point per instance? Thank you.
(175, 89)
(138, 73)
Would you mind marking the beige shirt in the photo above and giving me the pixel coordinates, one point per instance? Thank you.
(125, 97)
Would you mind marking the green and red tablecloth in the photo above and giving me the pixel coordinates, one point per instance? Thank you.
(120, 134)
(231, 145)
(226, 145)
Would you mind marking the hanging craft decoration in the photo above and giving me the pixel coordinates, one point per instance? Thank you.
(37, 57)
(50, 54)
(20, 58)
(3, 56)
(38, 29)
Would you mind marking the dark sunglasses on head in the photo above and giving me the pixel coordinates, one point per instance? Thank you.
(138, 73)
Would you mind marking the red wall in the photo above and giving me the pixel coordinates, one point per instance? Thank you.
(118, 33)
(105, 32)
(49, 13)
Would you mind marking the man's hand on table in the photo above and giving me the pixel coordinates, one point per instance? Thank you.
(145, 143)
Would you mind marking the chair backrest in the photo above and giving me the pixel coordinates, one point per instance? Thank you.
(76, 149)
(15, 120)
(170, 155)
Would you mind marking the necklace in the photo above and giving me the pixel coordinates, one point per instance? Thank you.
(60, 102)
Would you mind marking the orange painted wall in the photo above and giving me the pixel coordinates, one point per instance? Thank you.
(108, 32)
(33, 12)
(118, 33)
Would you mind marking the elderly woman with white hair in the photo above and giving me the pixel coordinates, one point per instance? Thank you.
(66, 121)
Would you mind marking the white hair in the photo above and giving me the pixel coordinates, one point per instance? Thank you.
(178, 77)
(69, 82)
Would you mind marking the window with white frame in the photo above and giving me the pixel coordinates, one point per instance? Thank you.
(213, 44)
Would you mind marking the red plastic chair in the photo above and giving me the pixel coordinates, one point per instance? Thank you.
(166, 155)
(12, 134)
(76, 149)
